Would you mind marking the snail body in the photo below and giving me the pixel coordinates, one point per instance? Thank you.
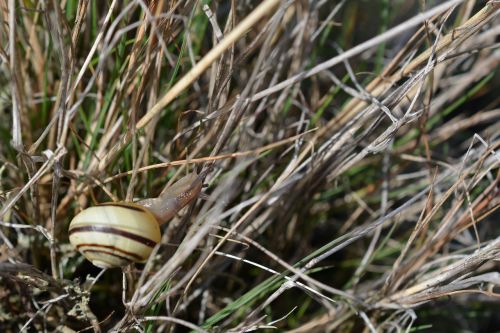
(116, 234)
(174, 198)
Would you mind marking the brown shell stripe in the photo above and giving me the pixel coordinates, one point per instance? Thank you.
(111, 230)
(125, 259)
(117, 204)
(91, 247)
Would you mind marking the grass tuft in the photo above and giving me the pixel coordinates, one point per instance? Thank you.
(350, 153)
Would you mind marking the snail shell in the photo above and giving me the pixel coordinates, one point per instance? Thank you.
(114, 234)
(117, 234)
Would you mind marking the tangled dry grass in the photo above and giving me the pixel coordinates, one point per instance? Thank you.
(351, 149)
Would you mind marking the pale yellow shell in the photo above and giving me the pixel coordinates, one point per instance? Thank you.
(114, 234)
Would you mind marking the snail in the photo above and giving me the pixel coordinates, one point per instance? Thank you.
(115, 234)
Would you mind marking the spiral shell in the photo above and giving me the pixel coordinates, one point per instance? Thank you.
(114, 234)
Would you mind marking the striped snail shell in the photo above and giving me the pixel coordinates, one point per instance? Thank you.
(116, 234)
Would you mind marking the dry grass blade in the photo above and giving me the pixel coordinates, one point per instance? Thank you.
(263, 9)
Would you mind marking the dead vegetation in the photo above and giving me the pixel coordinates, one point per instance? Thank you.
(352, 152)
